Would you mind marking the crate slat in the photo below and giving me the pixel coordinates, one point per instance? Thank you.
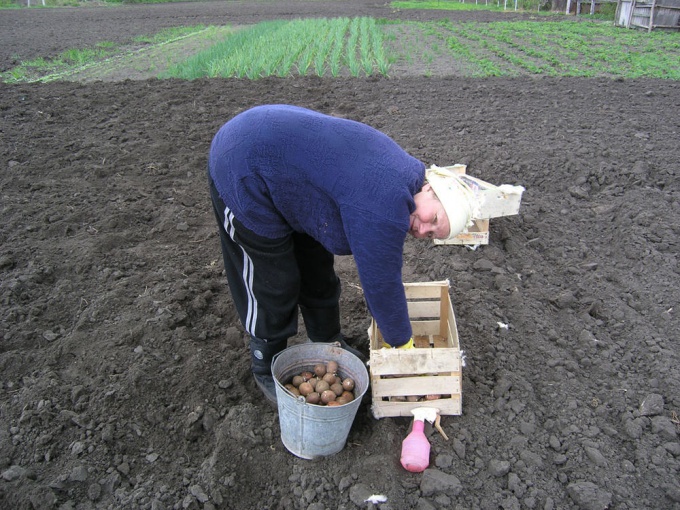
(415, 361)
(425, 328)
(423, 385)
(423, 290)
(452, 406)
(424, 309)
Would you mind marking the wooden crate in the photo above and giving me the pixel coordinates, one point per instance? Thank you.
(432, 368)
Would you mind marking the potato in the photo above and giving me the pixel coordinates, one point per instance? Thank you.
(322, 386)
(332, 367)
(337, 389)
(313, 398)
(328, 396)
(305, 389)
(292, 389)
(347, 395)
(320, 369)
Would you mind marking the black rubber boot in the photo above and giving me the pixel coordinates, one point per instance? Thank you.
(267, 387)
(261, 354)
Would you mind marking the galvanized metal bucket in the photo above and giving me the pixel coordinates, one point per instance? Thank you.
(307, 430)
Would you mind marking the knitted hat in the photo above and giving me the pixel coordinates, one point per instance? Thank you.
(459, 201)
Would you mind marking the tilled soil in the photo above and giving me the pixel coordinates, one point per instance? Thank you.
(125, 378)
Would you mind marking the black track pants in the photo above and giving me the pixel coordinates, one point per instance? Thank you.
(269, 278)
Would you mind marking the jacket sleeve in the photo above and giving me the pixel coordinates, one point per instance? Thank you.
(377, 246)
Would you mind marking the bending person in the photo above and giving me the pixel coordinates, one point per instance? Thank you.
(291, 187)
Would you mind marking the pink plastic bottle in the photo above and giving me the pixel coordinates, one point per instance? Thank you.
(415, 449)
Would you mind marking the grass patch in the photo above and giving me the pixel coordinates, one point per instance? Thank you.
(169, 34)
(605, 11)
(445, 5)
(118, 2)
(74, 61)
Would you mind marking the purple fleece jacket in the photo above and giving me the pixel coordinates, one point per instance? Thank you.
(282, 168)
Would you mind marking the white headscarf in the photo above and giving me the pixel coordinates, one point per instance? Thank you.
(458, 200)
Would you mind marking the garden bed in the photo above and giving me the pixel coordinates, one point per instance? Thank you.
(125, 378)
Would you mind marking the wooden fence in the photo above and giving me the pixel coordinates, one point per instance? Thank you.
(651, 14)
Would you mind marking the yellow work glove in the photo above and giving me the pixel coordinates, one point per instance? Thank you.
(407, 345)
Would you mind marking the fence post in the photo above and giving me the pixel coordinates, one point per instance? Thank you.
(651, 16)
(630, 13)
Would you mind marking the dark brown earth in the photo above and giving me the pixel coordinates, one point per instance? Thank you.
(125, 379)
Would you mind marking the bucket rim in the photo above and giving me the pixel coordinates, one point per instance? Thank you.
(337, 349)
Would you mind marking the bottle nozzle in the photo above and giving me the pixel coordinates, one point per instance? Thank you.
(425, 413)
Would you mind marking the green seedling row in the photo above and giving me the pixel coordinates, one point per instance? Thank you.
(588, 49)
(286, 48)
(612, 51)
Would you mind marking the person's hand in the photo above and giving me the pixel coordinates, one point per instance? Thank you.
(407, 345)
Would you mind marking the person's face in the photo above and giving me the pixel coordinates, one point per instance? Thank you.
(429, 220)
